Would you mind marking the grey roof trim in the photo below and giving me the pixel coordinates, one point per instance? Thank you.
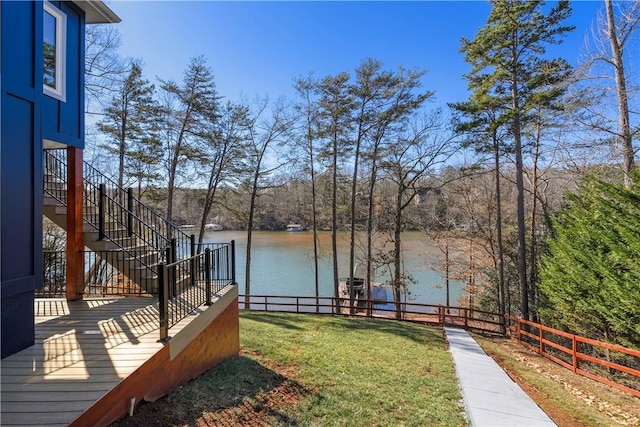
(96, 12)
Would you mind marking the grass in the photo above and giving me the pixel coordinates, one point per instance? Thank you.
(321, 371)
(363, 372)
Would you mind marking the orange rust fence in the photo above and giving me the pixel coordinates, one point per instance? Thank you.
(610, 364)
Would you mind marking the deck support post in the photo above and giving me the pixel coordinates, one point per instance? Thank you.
(75, 233)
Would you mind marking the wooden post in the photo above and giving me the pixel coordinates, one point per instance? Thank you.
(574, 352)
(75, 234)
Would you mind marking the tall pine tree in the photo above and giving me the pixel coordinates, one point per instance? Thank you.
(191, 113)
(129, 125)
(509, 68)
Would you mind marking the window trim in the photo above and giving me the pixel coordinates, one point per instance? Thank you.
(60, 91)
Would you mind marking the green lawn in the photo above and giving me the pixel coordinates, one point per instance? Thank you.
(312, 370)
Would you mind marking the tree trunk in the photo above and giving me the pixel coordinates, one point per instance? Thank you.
(522, 240)
(314, 216)
(334, 225)
(122, 153)
(397, 254)
(247, 270)
(621, 92)
(352, 237)
(533, 265)
(501, 287)
(370, 212)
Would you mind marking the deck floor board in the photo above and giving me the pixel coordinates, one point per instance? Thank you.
(83, 349)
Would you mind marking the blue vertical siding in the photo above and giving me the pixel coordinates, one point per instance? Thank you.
(64, 121)
(20, 170)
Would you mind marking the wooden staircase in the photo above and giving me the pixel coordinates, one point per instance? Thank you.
(117, 234)
(135, 261)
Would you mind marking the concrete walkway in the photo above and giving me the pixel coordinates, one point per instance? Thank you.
(491, 397)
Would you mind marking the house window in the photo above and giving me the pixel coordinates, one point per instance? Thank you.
(54, 52)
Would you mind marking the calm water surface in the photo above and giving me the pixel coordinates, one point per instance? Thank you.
(282, 264)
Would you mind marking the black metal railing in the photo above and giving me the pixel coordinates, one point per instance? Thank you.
(187, 284)
(54, 275)
(115, 212)
(119, 273)
(106, 273)
(133, 216)
(55, 176)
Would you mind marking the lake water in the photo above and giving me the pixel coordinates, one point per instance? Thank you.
(282, 264)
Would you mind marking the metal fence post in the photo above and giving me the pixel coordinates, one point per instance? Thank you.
(101, 199)
(233, 262)
(207, 272)
(130, 211)
(173, 257)
(192, 263)
(167, 257)
(163, 297)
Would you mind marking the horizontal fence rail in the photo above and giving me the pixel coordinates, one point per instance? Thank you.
(187, 284)
(479, 320)
(607, 363)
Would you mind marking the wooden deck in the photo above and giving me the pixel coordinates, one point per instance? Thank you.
(83, 350)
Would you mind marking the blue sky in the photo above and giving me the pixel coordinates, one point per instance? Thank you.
(257, 48)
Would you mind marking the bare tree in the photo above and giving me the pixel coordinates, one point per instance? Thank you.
(609, 67)
(103, 67)
(419, 148)
(308, 110)
(264, 134)
(396, 100)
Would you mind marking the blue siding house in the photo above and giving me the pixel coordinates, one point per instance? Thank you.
(42, 106)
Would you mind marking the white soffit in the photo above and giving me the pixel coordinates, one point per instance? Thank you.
(96, 12)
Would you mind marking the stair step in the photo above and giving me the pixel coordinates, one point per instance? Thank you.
(51, 201)
(113, 233)
(61, 208)
(91, 240)
(55, 186)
